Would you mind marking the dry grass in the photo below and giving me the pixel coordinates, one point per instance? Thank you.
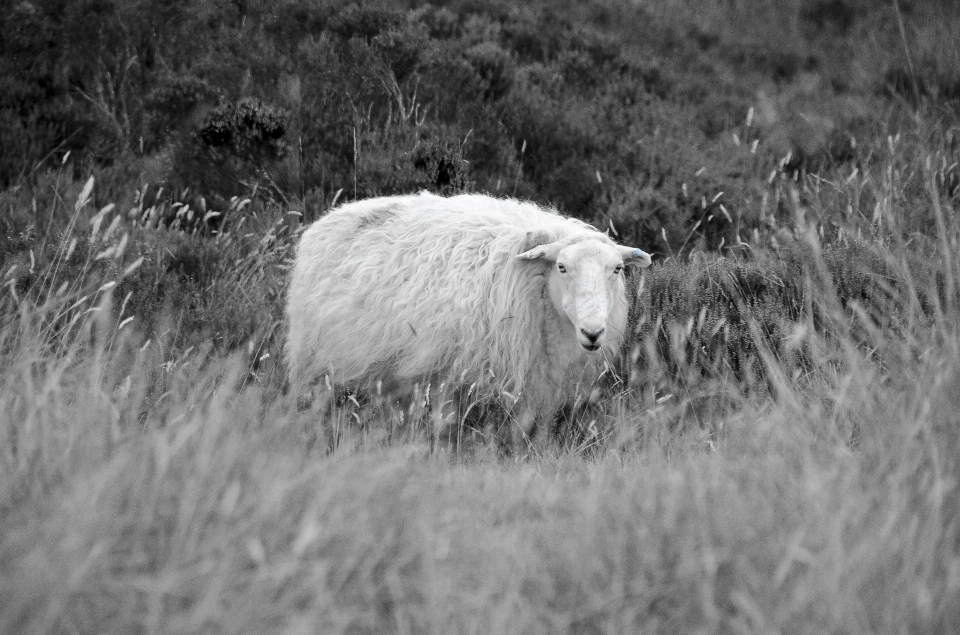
(152, 483)
(148, 490)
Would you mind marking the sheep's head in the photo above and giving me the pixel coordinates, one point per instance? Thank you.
(585, 281)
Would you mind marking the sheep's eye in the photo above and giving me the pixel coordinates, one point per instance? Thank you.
(618, 269)
(561, 268)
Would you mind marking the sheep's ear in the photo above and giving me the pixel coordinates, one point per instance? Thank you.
(539, 244)
(634, 256)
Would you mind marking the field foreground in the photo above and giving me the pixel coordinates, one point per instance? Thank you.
(206, 508)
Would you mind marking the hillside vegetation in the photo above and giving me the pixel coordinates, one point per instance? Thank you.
(778, 450)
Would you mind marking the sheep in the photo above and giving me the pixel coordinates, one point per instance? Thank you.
(516, 302)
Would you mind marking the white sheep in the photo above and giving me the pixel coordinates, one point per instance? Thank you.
(516, 302)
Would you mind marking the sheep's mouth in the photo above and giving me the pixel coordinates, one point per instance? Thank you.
(591, 347)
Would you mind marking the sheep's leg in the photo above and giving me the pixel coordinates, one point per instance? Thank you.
(316, 408)
(522, 429)
(454, 412)
(531, 429)
(444, 409)
(299, 390)
(314, 401)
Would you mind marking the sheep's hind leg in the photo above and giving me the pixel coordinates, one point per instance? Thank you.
(313, 412)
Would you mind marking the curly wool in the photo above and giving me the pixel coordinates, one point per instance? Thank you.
(393, 291)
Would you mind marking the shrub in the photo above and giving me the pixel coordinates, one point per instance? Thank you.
(442, 166)
(249, 129)
(495, 68)
(234, 150)
(172, 106)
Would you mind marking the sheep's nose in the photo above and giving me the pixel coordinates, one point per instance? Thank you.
(592, 336)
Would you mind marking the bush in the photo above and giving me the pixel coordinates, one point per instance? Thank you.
(234, 151)
(173, 105)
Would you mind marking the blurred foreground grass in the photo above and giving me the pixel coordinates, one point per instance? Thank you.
(211, 516)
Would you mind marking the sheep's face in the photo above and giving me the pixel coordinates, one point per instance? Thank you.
(585, 283)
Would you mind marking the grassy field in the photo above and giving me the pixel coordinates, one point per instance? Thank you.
(777, 452)
(145, 488)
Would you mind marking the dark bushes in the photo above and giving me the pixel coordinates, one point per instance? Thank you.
(597, 109)
(235, 149)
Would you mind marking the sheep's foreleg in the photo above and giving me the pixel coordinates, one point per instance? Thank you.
(523, 428)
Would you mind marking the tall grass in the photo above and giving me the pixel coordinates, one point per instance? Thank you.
(808, 486)
(778, 453)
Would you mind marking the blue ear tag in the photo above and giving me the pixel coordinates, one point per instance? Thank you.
(638, 253)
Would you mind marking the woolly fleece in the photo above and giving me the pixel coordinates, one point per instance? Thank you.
(394, 291)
